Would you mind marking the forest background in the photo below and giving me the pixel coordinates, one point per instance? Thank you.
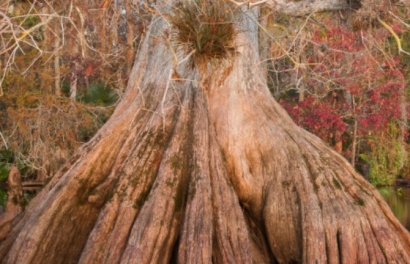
(64, 66)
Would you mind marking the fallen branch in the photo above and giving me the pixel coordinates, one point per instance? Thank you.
(397, 39)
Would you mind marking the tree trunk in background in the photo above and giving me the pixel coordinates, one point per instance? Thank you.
(352, 106)
(57, 70)
(130, 36)
(404, 126)
(15, 202)
(73, 85)
(354, 143)
(15, 197)
(301, 89)
(206, 168)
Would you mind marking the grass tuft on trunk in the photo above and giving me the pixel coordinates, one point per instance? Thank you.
(206, 29)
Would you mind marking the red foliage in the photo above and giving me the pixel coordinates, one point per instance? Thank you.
(349, 77)
(318, 116)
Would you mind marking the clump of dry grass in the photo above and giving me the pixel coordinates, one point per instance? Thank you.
(370, 12)
(206, 27)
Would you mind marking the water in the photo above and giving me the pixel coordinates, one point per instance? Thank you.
(399, 201)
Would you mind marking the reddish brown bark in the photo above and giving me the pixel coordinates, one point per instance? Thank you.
(206, 168)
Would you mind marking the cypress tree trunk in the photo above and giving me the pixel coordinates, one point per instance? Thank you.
(204, 168)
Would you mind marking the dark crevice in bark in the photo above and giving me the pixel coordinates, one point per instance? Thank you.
(339, 246)
(187, 154)
(174, 253)
(188, 164)
(257, 233)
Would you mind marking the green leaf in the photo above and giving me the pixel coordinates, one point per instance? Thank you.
(383, 191)
(4, 171)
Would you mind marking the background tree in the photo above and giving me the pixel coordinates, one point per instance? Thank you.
(52, 51)
(347, 85)
(198, 163)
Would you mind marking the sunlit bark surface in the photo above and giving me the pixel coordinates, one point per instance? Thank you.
(205, 168)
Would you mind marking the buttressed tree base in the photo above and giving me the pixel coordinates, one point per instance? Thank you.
(199, 164)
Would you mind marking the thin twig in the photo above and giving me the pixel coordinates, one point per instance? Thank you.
(4, 140)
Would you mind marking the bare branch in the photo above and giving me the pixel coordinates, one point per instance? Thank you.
(306, 7)
(300, 8)
(250, 3)
(4, 141)
(398, 41)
